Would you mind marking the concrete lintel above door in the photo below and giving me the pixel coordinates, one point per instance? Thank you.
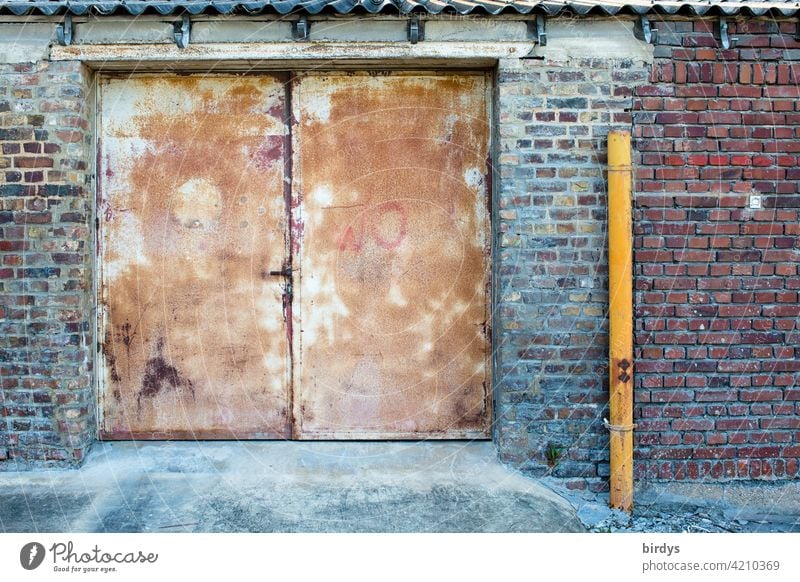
(282, 55)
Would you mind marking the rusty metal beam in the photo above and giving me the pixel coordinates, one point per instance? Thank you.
(620, 285)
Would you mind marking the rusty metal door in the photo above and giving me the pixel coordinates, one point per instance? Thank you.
(193, 217)
(382, 211)
(391, 185)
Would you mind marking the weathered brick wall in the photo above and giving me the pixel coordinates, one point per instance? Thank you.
(551, 381)
(46, 321)
(717, 284)
(716, 300)
(717, 337)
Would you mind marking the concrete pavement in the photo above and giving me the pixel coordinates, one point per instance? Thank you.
(283, 487)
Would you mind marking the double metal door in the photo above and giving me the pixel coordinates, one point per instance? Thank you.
(294, 256)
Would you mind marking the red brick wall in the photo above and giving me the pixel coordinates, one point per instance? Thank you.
(716, 284)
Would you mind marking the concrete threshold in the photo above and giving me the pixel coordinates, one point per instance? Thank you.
(283, 487)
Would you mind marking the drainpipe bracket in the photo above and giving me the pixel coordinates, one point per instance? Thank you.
(301, 28)
(537, 30)
(725, 40)
(644, 31)
(181, 31)
(416, 29)
(65, 31)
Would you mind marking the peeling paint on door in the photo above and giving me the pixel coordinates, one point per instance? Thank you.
(389, 182)
(192, 218)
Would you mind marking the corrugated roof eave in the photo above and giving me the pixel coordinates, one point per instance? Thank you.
(489, 7)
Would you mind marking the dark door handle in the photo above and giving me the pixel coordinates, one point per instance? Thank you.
(285, 272)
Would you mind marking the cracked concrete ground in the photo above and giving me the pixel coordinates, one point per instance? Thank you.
(283, 487)
(693, 507)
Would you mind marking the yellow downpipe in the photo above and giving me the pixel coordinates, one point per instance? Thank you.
(620, 315)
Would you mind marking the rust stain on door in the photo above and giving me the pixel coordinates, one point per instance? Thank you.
(391, 177)
(192, 219)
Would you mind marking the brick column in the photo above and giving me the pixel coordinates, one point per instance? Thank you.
(46, 236)
(552, 376)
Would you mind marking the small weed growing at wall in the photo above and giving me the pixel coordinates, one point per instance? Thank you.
(553, 453)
